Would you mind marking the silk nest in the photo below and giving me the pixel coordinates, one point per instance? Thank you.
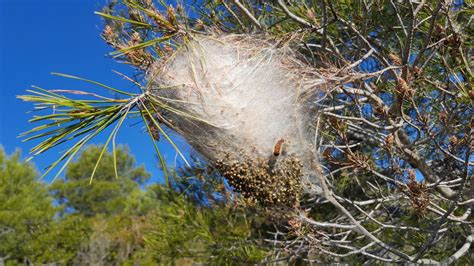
(243, 100)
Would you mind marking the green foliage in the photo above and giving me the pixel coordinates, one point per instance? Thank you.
(216, 235)
(30, 231)
(106, 194)
(108, 207)
(26, 209)
(113, 239)
(114, 220)
(62, 239)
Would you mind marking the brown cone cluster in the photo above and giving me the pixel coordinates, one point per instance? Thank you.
(418, 194)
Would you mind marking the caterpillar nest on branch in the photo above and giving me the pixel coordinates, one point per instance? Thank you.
(244, 102)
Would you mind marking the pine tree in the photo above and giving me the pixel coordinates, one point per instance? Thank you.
(26, 209)
(392, 121)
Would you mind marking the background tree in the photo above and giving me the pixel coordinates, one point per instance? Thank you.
(111, 208)
(26, 209)
(32, 232)
(187, 224)
(60, 241)
(106, 194)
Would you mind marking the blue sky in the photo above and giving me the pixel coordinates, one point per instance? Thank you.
(40, 37)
